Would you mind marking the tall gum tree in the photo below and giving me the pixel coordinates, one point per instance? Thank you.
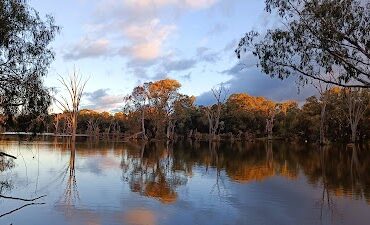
(138, 100)
(25, 56)
(316, 37)
(163, 95)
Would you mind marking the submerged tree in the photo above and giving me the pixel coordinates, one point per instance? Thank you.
(270, 122)
(71, 104)
(357, 101)
(138, 100)
(323, 89)
(25, 56)
(213, 112)
(317, 37)
(163, 95)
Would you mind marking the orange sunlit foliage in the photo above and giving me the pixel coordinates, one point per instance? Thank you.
(249, 173)
(163, 88)
(161, 191)
(243, 101)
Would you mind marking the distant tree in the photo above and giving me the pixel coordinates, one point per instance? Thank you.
(138, 100)
(213, 112)
(184, 109)
(163, 94)
(25, 56)
(357, 102)
(270, 121)
(323, 89)
(308, 125)
(317, 37)
(70, 105)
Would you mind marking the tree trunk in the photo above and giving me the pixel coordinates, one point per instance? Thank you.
(74, 127)
(322, 124)
(353, 132)
(143, 125)
(170, 130)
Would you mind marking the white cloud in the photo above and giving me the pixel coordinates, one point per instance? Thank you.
(146, 39)
(134, 30)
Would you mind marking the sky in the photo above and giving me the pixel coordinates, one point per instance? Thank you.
(119, 44)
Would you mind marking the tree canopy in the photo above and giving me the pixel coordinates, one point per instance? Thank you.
(25, 56)
(317, 38)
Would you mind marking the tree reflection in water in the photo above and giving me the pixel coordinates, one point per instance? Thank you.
(152, 173)
(5, 164)
(220, 182)
(155, 170)
(71, 194)
(330, 168)
(326, 203)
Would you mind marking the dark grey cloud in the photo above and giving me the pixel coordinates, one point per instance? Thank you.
(179, 65)
(139, 68)
(252, 81)
(101, 100)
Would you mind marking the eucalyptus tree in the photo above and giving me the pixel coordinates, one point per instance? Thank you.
(323, 89)
(357, 102)
(138, 100)
(316, 37)
(213, 112)
(163, 95)
(25, 56)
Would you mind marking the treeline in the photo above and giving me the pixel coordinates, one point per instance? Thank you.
(157, 110)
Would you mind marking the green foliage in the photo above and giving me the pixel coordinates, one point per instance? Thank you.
(25, 56)
(318, 37)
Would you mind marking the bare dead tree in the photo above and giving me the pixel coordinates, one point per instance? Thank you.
(214, 112)
(75, 88)
(357, 102)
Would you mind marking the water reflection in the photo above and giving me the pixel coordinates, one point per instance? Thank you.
(337, 170)
(212, 183)
(71, 194)
(6, 163)
(152, 173)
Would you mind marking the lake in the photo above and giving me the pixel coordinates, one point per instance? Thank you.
(111, 183)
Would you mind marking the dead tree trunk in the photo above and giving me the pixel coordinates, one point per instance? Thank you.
(322, 122)
(75, 87)
(214, 112)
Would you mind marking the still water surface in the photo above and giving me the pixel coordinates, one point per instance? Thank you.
(131, 183)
